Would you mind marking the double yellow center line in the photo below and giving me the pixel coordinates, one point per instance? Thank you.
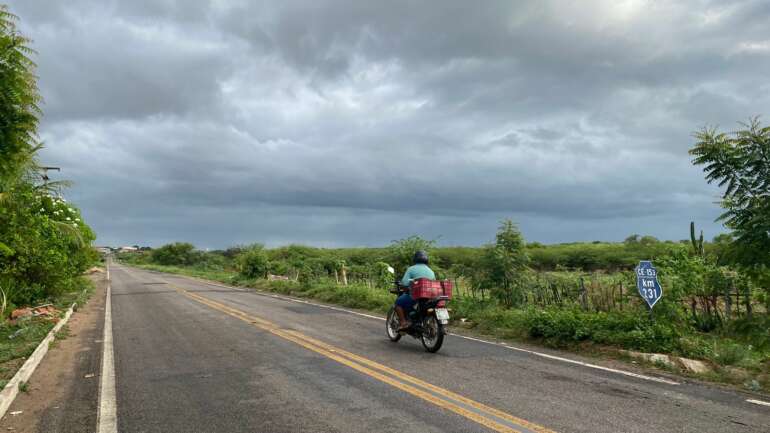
(489, 417)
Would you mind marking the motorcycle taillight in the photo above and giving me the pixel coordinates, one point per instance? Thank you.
(441, 304)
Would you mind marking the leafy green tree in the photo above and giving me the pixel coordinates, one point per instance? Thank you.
(401, 252)
(632, 239)
(740, 162)
(39, 258)
(380, 276)
(503, 267)
(19, 100)
(176, 254)
(723, 239)
(253, 263)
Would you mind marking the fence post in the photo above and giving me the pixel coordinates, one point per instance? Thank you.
(583, 299)
(748, 301)
(621, 296)
(344, 276)
(729, 299)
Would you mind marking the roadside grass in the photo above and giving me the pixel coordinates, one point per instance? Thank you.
(18, 340)
(733, 360)
(352, 296)
(222, 276)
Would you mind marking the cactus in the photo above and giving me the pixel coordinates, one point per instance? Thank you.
(697, 244)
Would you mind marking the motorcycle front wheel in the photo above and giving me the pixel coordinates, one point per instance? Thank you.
(432, 334)
(392, 324)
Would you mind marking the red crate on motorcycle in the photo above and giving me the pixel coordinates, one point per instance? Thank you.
(424, 288)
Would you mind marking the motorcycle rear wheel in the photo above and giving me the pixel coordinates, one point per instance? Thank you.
(432, 335)
(392, 324)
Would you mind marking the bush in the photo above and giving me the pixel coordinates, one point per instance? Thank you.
(253, 263)
(176, 254)
(401, 252)
(627, 330)
(46, 245)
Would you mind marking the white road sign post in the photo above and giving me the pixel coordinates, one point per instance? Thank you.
(647, 283)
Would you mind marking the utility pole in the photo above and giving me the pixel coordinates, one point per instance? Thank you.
(44, 176)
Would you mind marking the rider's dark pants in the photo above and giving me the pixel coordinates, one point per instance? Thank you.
(406, 302)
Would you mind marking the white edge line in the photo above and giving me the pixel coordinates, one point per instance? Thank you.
(506, 346)
(759, 402)
(572, 361)
(106, 418)
(11, 389)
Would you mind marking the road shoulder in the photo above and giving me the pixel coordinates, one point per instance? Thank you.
(61, 395)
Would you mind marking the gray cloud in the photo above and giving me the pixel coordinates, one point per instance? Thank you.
(354, 123)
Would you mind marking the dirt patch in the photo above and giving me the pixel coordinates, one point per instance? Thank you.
(61, 396)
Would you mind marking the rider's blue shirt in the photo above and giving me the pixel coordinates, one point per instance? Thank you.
(417, 271)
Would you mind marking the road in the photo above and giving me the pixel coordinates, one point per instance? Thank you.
(191, 356)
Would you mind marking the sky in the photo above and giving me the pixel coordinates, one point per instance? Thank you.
(355, 123)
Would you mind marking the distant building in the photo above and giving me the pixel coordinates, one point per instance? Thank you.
(128, 249)
(104, 250)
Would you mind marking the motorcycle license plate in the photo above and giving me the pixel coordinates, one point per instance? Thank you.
(442, 314)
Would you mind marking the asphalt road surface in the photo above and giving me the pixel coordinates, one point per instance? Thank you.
(191, 356)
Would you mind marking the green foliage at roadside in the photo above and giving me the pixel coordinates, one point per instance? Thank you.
(502, 268)
(739, 162)
(400, 253)
(48, 246)
(44, 244)
(253, 262)
(178, 253)
(19, 100)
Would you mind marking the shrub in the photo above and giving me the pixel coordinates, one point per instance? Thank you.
(176, 254)
(46, 245)
(729, 353)
(401, 252)
(627, 330)
(254, 262)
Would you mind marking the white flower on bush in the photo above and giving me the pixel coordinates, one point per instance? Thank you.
(69, 219)
(77, 219)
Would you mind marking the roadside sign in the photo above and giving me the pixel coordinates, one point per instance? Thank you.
(647, 283)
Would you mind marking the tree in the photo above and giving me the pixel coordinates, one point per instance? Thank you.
(507, 261)
(19, 99)
(401, 252)
(44, 244)
(176, 254)
(632, 239)
(740, 162)
(253, 263)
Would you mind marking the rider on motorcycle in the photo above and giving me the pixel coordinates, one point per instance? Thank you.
(405, 302)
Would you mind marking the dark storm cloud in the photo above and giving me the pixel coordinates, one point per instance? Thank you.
(348, 122)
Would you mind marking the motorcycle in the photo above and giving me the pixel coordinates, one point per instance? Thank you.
(428, 318)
